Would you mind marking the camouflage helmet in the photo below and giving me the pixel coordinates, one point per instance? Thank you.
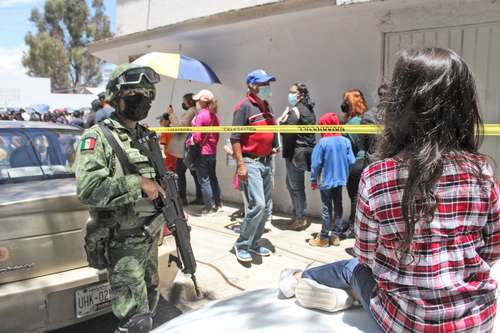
(116, 82)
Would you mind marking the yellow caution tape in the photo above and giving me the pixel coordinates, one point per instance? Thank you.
(489, 129)
(358, 129)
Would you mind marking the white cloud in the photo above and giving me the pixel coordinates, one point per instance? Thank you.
(10, 59)
(13, 3)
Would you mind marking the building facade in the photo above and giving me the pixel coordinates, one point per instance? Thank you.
(330, 45)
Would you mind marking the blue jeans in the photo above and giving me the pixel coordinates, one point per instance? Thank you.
(348, 275)
(296, 188)
(260, 204)
(208, 181)
(332, 195)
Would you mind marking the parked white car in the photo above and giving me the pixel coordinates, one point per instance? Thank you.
(264, 311)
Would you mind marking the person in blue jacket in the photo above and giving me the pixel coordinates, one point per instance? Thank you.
(332, 158)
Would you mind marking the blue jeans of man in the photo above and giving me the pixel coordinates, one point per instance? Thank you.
(180, 170)
(208, 181)
(258, 190)
(296, 188)
(349, 275)
(329, 197)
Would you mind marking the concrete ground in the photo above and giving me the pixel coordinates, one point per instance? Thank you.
(220, 275)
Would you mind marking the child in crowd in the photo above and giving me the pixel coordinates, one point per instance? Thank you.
(165, 138)
(331, 160)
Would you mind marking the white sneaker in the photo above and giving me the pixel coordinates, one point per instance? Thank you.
(288, 282)
(311, 294)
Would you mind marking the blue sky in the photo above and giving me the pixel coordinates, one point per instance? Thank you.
(14, 23)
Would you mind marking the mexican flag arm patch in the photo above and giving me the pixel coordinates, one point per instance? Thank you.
(87, 143)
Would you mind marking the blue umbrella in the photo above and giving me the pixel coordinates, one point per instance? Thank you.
(196, 70)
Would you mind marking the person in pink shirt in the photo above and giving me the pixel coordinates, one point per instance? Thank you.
(206, 170)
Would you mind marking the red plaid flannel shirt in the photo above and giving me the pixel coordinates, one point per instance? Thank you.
(446, 286)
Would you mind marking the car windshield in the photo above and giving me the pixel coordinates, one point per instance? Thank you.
(37, 153)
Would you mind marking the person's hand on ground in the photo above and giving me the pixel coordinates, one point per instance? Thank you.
(242, 173)
(151, 188)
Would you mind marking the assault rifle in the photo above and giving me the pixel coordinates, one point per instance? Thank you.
(170, 207)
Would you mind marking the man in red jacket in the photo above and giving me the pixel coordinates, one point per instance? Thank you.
(252, 152)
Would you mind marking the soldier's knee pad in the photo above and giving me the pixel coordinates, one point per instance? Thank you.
(126, 270)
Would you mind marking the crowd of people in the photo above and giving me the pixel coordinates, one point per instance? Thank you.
(336, 161)
(424, 201)
(84, 118)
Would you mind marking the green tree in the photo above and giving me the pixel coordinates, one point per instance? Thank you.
(58, 48)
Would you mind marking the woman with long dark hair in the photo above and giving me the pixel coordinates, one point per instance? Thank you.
(297, 150)
(427, 222)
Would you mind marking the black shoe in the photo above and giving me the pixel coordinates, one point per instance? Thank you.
(206, 211)
(138, 323)
(349, 233)
(184, 202)
(350, 251)
(197, 201)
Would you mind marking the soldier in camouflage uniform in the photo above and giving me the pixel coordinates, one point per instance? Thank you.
(120, 204)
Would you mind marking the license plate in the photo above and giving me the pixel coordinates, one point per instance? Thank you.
(92, 299)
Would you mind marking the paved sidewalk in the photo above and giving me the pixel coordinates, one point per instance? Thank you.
(212, 242)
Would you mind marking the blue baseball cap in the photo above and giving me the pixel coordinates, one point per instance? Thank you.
(259, 76)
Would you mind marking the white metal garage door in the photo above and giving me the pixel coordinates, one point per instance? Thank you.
(479, 45)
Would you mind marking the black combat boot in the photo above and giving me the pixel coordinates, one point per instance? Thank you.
(138, 323)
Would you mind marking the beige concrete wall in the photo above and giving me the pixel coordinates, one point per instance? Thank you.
(324, 48)
(132, 15)
(139, 15)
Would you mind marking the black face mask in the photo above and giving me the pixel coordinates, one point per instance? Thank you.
(185, 106)
(344, 107)
(136, 107)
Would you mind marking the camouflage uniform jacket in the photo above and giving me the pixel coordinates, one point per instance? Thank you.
(101, 183)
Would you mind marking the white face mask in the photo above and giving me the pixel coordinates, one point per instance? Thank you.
(264, 92)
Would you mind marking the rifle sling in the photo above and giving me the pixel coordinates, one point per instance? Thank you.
(128, 168)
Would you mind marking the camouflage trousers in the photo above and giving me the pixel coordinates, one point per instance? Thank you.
(133, 275)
